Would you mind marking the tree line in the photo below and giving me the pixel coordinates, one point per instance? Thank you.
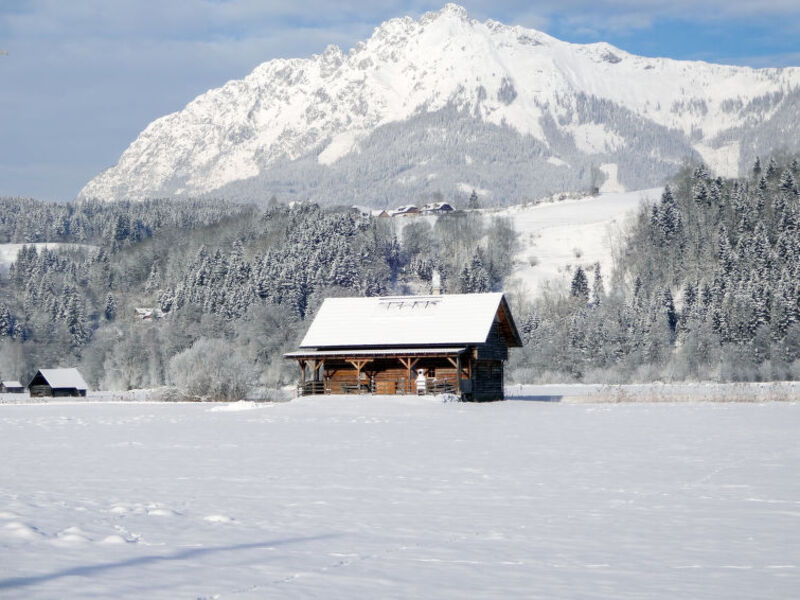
(231, 284)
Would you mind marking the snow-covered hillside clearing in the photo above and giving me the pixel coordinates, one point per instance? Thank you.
(399, 497)
(559, 235)
(555, 237)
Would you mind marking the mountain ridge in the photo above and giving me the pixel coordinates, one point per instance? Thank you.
(567, 114)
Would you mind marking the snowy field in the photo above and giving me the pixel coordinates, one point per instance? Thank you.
(393, 497)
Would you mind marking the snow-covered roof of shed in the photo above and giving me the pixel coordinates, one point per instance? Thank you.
(12, 384)
(406, 321)
(64, 378)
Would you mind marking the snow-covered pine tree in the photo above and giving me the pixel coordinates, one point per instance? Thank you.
(6, 322)
(110, 310)
(579, 288)
(598, 288)
(473, 203)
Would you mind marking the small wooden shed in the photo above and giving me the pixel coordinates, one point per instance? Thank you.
(11, 387)
(383, 345)
(57, 383)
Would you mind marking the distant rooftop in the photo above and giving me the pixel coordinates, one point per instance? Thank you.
(64, 378)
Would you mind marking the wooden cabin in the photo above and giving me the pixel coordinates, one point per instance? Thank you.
(57, 383)
(458, 343)
(11, 387)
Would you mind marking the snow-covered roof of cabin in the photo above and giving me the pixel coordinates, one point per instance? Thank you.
(437, 206)
(402, 210)
(372, 352)
(64, 378)
(12, 384)
(454, 320)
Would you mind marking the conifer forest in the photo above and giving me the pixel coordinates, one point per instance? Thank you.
(223, 286)
(706, 286)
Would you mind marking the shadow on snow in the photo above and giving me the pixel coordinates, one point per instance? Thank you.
(88, 571)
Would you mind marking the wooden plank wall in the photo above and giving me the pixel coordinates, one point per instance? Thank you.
(487, 380)
(384, 373)
(495, 347)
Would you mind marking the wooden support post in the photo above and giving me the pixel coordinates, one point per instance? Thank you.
(408, 363)
(458, 375)
(319, 370)
(358, 364)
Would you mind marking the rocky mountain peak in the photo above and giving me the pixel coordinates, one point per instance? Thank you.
(416, 108)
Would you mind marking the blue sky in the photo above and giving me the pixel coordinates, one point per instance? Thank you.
(83, 78)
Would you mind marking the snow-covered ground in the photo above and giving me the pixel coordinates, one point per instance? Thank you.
(393, 497)
(774, 391)
(557, 235)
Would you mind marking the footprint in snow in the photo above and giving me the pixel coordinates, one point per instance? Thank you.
(219, 519)
(71, 536)
(115, 540)
(21, 531)
(161, 512)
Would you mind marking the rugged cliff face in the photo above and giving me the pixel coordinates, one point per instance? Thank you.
(449, 104)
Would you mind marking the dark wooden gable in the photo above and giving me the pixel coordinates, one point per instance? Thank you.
(39, 380)
(496, 345)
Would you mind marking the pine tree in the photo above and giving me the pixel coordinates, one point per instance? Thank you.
(689, 300)
(700, 193)
(529, 326)
(757, 168)
(473, 203)
(772, 170)
(787, 182)
(479, 276)
(111, 308)
(579, 288)
(598, 289)
(6, 322)
(465, 280)
(153, 283)
(668, 309)
(670, 221)
(74, 317)
(166, 301)
(760, 249)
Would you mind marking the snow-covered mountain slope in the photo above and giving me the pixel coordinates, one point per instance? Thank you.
(446, 103)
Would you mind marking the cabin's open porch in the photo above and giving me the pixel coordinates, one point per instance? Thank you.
(383, 371)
